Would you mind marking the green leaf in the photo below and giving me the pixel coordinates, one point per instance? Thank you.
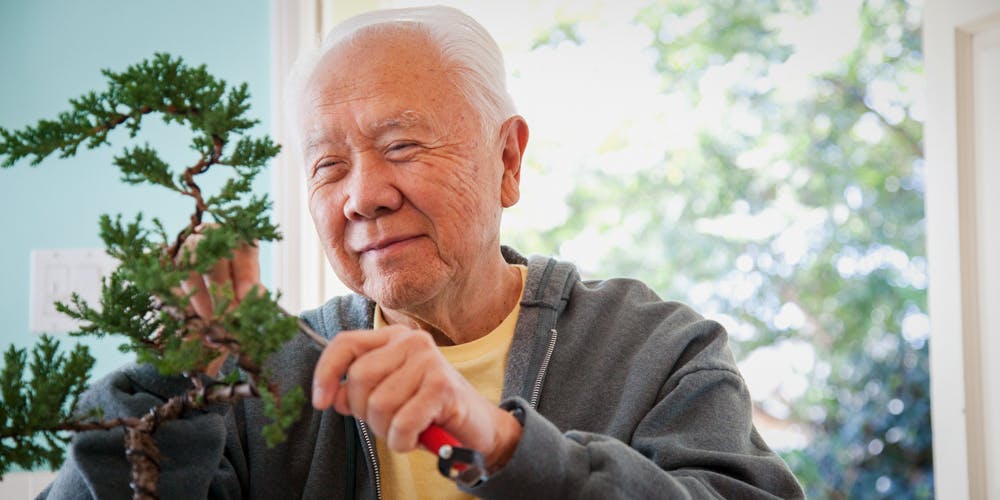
(142, 164)
(32, 409)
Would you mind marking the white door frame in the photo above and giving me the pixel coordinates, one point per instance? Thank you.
(293, 27)
(961, 54)
(300, 270)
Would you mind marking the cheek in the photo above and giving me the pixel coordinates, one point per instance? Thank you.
(327, 216)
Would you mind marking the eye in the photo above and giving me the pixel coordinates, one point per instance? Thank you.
(401, 151)
(330, 169)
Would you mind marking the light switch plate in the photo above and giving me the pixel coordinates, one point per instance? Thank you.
(55, 275)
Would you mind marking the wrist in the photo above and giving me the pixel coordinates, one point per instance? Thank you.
(507, 436)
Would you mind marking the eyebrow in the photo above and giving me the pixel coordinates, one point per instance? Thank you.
(404, 120)
(407, 119)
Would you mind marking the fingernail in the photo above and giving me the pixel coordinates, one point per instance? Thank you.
(319, 396)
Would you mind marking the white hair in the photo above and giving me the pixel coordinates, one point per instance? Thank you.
(464, 45)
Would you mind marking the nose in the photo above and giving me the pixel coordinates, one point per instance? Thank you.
(371, 189)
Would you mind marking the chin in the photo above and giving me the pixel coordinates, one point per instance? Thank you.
(403, 290)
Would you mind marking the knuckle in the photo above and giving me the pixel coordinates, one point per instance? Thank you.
(379, 404)
(342, 340)
(359, 375)
(438, 385)
(416, 341)
(424, 339)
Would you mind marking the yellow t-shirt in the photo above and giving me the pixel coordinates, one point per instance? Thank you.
(414, 475)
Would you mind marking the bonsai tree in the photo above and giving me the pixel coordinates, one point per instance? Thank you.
(140, 301)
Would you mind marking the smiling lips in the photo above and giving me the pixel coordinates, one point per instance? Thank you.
(385, 243)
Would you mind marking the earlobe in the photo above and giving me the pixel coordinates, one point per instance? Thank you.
(510, 190)
(514, 140)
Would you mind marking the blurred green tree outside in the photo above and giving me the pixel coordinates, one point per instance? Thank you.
(788, 205)
(776, 194)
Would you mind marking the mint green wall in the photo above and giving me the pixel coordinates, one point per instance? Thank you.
(51, 51)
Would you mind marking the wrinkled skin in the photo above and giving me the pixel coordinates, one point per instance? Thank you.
(406, 192)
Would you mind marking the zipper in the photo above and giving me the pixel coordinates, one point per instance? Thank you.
(535, 394)
(374, 458)
(537, 390)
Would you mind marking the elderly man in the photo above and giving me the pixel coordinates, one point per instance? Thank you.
(568, 389)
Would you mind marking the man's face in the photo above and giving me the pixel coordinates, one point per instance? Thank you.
(403, 185)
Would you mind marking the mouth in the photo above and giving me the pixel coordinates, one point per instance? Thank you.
(386, 243)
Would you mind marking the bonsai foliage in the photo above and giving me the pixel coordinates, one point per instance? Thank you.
(141, 300)
(35, 411)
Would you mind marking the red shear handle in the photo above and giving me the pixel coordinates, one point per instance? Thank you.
(434, 437)
(455, 462)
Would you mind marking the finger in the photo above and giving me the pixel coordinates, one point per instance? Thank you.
(219, 276)
(417, 414)
(187, 251)
(405, 350)
(335, 360)
(246, 270)
(364, 375)
(395, 387)
(194, 285)
(201, 301)
(213, 366)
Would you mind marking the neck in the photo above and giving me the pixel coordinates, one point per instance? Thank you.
(468, 311)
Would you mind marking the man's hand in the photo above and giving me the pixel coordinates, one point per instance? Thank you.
(241, 273)
(399, 383)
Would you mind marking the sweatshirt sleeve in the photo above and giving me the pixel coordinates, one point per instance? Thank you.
(696, 440)
(193, 462)
(587, 465)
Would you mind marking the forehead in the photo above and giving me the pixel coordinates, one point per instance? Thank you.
(385, 47)
(380, 77)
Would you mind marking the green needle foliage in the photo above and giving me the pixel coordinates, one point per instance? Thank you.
(33, 411)
(140, 301)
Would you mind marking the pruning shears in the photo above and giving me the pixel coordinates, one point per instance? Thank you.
(456, 462)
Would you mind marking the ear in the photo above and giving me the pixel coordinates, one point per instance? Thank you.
(513, 140)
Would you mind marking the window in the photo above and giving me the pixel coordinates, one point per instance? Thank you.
(761, 161)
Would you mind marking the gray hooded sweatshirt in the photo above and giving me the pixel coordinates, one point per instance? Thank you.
(621, 395)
